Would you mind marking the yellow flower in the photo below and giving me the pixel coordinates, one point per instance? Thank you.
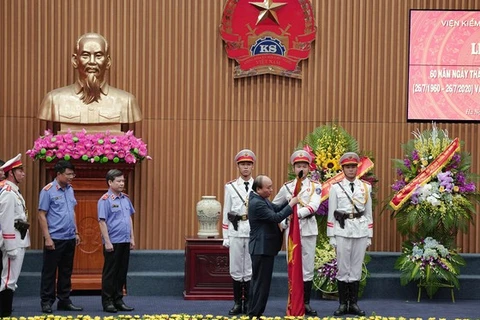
(329, 164)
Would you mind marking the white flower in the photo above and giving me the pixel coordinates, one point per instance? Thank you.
(430, 253)
(433, 199)
(417, 252)
(442, 250)
(430, 242)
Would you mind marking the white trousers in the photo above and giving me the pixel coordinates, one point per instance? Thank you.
(240, 261)
(11, 269)
(308, 255)
(350, 255)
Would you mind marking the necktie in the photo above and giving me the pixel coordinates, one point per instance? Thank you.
(246, 186)
(351, 186)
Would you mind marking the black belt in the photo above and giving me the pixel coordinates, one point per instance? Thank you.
(234, 218)
(355, 215)
(341, 216)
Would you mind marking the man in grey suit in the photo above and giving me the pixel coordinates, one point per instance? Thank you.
(265, 240)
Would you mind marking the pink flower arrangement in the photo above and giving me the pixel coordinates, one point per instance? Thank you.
(98, 147)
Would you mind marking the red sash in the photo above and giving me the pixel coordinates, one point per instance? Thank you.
(426, 175)
(364, 166)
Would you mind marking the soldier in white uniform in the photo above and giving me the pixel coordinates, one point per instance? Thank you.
(309, 198)
(236, 230)
(350, 229)
(14, 227)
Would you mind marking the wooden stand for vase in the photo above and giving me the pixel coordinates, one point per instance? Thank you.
(207, 275)
(89, 186)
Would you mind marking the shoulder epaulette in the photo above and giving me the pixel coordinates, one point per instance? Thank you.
(7, 188)
(105, 196)
(289, 181)
(231, 182)
(365, 181)
(48, 186)
(126, 195)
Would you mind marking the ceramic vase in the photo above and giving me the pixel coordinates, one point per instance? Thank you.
(208, 213)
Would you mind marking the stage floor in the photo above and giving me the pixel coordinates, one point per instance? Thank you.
(445, 309)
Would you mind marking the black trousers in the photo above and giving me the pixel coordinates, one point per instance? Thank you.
(114, 274)
(61, 260)
(262, 269)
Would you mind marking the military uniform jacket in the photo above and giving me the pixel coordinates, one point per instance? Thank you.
(310, 197)
(12, 207)
(338, 200)
(235, 200)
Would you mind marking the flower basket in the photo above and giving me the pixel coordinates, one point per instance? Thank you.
(325, 276)
(433, 200)
(326, 144)
(430, 264)
(433, 194)
(92, 148)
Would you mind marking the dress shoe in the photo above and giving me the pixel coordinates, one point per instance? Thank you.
(342, 309)
(123, 307)
(354, 309)
(46, 308)
(237, 309)
(68, 307)
(309, 311)
(110, 308)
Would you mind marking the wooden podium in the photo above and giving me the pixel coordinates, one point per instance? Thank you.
(207, 275)
(89, 185)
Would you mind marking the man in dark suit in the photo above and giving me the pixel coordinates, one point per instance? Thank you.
(265, 240)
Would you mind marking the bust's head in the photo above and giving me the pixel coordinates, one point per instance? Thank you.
(91, 59)
(91, 56)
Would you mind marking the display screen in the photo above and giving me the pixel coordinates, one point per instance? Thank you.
(444, 65)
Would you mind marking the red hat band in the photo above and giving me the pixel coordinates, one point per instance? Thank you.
(245, 158)
(301, 159)
(351, 160)
(14, 165)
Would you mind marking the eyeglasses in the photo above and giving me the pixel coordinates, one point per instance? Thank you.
(71, 175)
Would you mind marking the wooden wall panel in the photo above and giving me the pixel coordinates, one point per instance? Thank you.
(196, 116)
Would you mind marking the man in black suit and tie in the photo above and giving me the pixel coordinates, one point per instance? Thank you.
(265, 240)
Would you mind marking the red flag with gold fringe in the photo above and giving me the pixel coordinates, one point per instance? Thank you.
(295, 304)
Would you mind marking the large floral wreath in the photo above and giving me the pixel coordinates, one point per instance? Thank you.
(433, 200)
(326, 144)
(433, 192)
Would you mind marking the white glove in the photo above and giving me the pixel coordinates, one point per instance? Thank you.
(369, 242)
(333, 242)
(12, 254)
(226, 243)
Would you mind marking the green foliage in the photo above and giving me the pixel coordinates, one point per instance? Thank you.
(443, 203)
(430, 264)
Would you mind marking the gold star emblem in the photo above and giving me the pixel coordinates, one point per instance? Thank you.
(267, 10)
(291, 247)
